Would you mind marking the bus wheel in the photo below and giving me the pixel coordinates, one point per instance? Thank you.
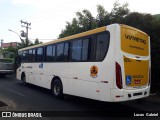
(57, 89)
(24, 79)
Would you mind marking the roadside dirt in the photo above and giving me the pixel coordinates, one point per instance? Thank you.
(6, 104)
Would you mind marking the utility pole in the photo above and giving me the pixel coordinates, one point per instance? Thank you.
(1, 43)
(26, 25)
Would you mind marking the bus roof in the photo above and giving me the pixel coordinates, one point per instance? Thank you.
(90, 32)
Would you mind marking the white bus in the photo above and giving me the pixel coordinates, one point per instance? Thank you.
(110, 63)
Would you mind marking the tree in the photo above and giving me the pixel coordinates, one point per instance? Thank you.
(36, 42)
(71, 28)
(85, 21)
(140, 21)
(103, 17)
(119, 12)
(24, 43)
(11, 49)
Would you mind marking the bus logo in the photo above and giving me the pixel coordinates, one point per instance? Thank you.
(94, 71)
(130, 37)
(41, 65)
(128, 79)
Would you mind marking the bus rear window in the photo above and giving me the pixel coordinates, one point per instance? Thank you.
(134, 41)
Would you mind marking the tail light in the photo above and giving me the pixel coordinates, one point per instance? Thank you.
(118, 76)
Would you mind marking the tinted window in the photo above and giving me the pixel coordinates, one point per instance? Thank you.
(66, 51)
(102, 46)
(20, 53)
(19, 57)
(59, 52)
(85, 49)
(39, 57)
(49, 53)
(33, 55)
(54, 53)
(76, 50)
(91, 50)
(29, 56)
(24, 56)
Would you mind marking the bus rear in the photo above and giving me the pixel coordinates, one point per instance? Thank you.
(132, 65)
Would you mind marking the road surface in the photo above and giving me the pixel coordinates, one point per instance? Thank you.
(20, 97)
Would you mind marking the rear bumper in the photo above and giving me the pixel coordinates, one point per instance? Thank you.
(125, 95)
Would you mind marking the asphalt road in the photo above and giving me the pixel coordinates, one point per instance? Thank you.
(20, 97)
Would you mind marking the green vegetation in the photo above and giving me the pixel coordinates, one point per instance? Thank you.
(10, 53)
(157, 17)
(25, 43)
(121, 14)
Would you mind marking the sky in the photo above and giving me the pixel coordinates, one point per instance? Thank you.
(48, 17)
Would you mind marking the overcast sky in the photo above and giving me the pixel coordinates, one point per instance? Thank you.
(48, 17)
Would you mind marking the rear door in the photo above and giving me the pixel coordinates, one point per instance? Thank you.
(136, 56)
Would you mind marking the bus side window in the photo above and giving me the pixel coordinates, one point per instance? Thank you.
(59, 52)
(30, 56)
(33, 55)
(21, 56)
(102, 44)
(18, 61)
(85, 50)
(76, 50)
(24, 56)
(54, 53)
(91, 49)
(66, 51)
(48, 56)
(39, 55)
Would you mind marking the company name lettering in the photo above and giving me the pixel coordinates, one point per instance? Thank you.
(130, 37)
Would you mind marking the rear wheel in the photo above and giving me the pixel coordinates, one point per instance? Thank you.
(57, 89)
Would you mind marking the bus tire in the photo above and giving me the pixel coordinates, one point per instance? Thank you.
(23, 79)
(57, 89)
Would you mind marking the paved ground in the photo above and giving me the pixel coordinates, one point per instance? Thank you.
(32, 98)
(154, 98)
